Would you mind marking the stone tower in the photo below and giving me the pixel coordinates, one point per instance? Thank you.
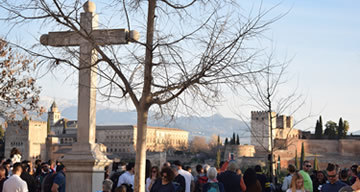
(53, 114)
(260, 129)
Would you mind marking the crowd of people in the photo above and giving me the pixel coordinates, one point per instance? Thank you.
(16, 176)
(174, 177)
(49, 176)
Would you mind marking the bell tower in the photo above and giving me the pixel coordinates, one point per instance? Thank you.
(53, 114)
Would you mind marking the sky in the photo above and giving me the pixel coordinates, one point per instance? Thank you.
(322, 38)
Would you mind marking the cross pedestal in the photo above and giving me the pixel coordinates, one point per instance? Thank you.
(85, 163)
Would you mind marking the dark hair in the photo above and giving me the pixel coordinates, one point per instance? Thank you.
(354, 169)
(60, 167)
(199, 168)
(25, 166)
(306, 161)
(17, 167)
(344, 174)
(330, 167)
(177, 163)
(3, 167)
(170, 174)
(157, 170)
(257, 168)
(37, 161)
(148, 168)
(291, 168)
(129, 166)
(250, 177)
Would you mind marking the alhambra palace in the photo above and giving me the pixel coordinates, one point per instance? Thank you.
(119, 141)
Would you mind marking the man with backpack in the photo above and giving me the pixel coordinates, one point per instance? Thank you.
(59, 180)
(213, 185)
(179, 180)
(201, 179)
(127, 178)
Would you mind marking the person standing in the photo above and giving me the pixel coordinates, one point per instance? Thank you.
(3, 177)
(264, 181)
(154, 175)
(334, 184)
(15, 183)
(59, 184)
(185, 174)
(297, 183)
(127, 178)
(231, 181)
(307, 179)
(287, 180)
(212, 182)
(165, 183)
(179, 180)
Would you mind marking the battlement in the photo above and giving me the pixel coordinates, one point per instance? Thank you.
(256, 115)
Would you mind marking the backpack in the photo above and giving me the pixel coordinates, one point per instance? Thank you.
(200, 182)
(213, 187)
(115, 178)
(48, 182)
(128, 187)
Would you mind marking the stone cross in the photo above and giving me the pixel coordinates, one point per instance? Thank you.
(85, 161)
(88, 69)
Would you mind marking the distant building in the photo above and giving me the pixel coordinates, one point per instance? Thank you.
(119, 140)
(28, 137)
(282, 133)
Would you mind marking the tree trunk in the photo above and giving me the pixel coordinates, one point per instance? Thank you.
(144, 104)
(142, 117)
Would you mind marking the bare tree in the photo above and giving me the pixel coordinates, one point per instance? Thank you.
(266, 94)
(18, 91)
(191, 50)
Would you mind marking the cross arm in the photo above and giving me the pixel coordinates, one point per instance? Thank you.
(100, 36)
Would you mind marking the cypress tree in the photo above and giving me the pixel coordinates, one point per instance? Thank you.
(302, 157)
(340, 131)
(278, 166)
(316, 164)
(233, 139)
(237, 139)
(226, 141)
(296, 160)
(318, 130)
(218, 140)
(48, 125)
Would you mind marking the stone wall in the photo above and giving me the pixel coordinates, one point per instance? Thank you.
(239, 151)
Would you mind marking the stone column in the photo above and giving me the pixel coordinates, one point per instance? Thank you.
(85, 163)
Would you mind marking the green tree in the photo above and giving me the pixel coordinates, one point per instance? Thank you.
(233, 140)
(316, 164)
(218, 158)
(321, 123)
(278, 168)
(226, 141)
(237, 139)
(318, 130)
(296, 160)
(219, 140)
(302, 157)
(340, 129)
(346, 127)
(331, 129)
(48, 126)
(2, 133)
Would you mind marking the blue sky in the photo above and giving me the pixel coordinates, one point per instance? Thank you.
(322, 37)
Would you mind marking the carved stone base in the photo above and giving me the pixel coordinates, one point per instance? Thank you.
(85, 169)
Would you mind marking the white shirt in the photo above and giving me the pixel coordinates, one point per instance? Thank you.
(187, 177)
(126, 178)
(15, 184)
(147, 184)
(287, 182)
